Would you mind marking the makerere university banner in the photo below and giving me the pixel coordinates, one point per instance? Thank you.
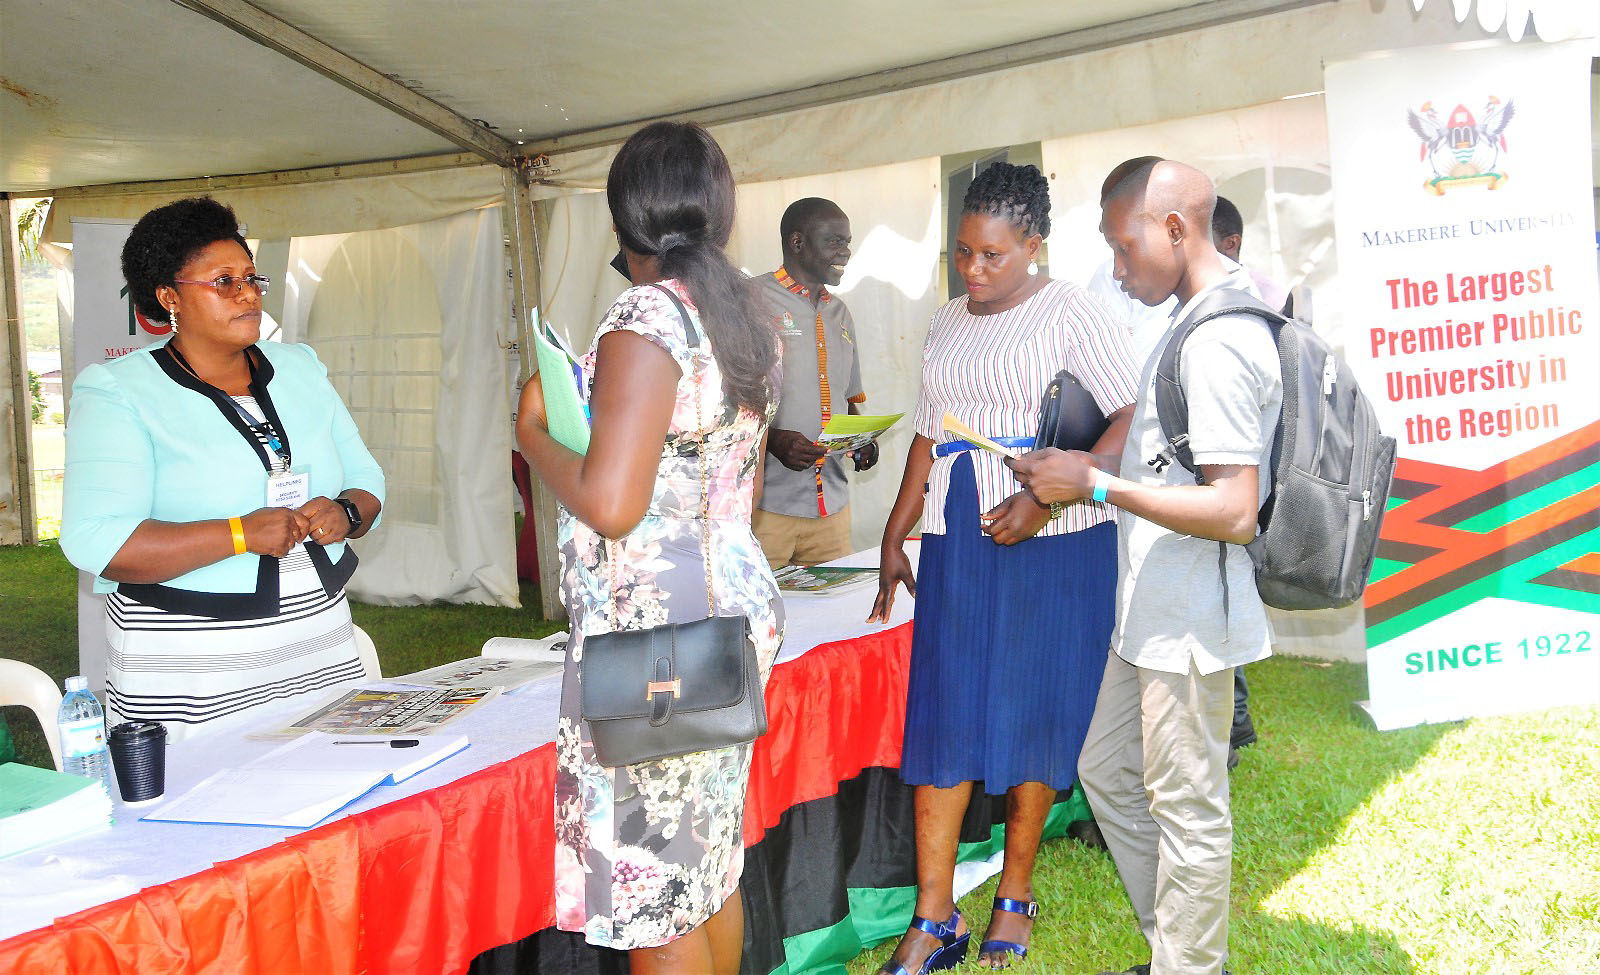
(105, 326)
(1463, 212)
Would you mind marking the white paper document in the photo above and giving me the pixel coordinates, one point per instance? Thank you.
(391, 708)
(305, 781)
(506, 674)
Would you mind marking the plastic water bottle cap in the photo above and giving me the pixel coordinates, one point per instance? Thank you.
(77, 684)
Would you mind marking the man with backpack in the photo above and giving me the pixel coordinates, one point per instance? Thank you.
(1154, 767)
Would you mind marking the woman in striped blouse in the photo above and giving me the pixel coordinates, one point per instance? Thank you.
(1014, 605)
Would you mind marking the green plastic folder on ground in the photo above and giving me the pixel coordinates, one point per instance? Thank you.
(563, 406)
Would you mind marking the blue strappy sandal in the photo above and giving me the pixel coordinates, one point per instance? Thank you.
(1029, 909)
(951, 952)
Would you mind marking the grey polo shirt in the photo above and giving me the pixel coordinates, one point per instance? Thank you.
(821, 377)
(1169, 591)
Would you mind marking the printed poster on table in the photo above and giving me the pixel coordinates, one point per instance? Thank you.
(1463, 208)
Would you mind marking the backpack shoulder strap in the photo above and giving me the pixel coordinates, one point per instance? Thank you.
(1172, 406)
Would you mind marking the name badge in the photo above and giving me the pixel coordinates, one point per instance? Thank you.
(288, 490)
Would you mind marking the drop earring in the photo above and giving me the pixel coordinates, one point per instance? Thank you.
(1033, 268)
(172, 318)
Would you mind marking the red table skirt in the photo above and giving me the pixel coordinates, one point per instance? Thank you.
(427, 883)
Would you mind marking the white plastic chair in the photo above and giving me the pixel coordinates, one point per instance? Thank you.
(367, 652)
(25, 685)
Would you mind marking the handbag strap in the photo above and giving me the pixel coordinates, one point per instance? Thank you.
(705, 436)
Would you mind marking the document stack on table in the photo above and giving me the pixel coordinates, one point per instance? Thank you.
(40, 806)
(506, 674)
(823, 580)
(307, 780)
(392, 708)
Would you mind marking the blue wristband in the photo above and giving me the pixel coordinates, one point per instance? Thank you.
(1102, 481)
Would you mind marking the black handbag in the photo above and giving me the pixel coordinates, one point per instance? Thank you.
(1069, 418)
(674, 689)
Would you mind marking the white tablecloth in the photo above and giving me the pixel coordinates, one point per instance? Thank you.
(39, 886)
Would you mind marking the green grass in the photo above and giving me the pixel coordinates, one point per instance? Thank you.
(1462, 849)
(49, 461)
(41, 326)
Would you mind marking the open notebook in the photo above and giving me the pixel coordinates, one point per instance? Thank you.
(305, 781)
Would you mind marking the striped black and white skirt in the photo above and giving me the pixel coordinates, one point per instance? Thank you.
(196, 674)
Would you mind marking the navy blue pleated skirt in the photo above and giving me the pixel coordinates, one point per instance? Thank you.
(1007, 650)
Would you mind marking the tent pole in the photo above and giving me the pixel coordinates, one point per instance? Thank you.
(291, 42)
(18, 521)
(522, 237)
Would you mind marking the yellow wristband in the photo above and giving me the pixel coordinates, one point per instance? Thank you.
(237, 527)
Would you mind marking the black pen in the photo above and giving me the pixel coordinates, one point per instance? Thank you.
(392, 743)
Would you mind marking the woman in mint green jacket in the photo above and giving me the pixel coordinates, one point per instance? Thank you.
(212, 481)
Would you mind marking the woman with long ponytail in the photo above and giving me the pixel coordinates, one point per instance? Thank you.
(648, 856)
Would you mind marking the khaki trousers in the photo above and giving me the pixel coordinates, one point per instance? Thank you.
(791, 540)
(1154, 768)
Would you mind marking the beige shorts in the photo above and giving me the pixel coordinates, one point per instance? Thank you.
(790, 540)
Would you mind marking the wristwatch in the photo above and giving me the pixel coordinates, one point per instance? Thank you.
(351, 512)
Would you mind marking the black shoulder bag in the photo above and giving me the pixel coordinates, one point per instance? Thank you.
(675, 689)
(1069, 418)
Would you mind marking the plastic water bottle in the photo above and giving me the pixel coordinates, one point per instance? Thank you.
(82, 725)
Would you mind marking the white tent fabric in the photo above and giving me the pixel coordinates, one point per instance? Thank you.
(333, 203)
(310, 122)
(413, 323)
(1553, 20)
(1271, 160)
(890, 286)
(1202, 72)
(1199, 72)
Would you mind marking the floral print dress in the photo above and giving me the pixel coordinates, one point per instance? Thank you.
(646, 853)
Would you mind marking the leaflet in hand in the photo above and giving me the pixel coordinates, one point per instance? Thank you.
(392, 710)
(560, 379)
(963, 432)
(852, 431)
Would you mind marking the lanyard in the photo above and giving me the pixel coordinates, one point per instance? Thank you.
(266, 430)
(277, 438)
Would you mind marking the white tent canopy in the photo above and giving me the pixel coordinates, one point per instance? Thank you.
(431, 99)
(114, 91)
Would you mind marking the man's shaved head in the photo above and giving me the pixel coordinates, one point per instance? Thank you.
(1162, 186)
(801, 214)
(816, 241)
(1157, 221)
(1122, 170)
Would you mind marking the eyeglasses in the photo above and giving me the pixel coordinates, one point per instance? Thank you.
(229, 286)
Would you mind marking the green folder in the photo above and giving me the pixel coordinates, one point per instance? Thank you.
(568, 418)
(40, 806)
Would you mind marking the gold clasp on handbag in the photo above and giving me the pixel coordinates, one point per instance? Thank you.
(653, 687)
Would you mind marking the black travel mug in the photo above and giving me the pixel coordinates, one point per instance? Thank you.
(139, 754)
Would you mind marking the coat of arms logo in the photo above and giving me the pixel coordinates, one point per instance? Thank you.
(1464, 150)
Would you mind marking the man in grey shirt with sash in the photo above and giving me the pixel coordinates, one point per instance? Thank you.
(1154, 765)
(804, 514)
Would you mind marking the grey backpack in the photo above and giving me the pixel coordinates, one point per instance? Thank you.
(1331, 466)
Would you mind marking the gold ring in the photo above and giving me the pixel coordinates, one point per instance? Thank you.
(322, 531)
